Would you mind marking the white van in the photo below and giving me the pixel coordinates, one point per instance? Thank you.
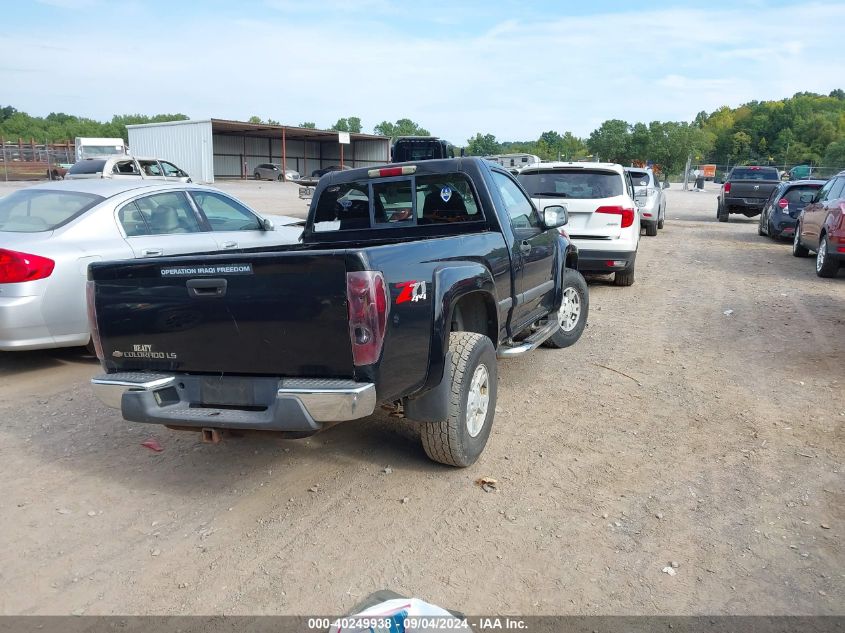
(88, 147)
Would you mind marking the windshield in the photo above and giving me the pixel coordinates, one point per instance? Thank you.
(88, 166)
(755, 173)
(579, 184)
(34, 210)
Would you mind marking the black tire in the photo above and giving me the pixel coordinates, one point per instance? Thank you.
(826, 266)
(661, 220)
(572, 280)
(624, 277)
(651, 229)
(257, 176)
(760, 230)
(722, 213)
(798, 250)
(280, 178)
(450, 442)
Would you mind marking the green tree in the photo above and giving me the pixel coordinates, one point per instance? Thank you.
(350, 124)
(835, 155)
(482, 145)
(740, 146)
(402, 127)
(308, 124)
(572, 147)
(254, 119)
(610, 141)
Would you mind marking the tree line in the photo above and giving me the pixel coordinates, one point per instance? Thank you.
(806, 128)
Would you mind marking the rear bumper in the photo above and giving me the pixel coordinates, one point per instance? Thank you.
(605, 261)
(299, 405)
(783, 224)
(746, 206)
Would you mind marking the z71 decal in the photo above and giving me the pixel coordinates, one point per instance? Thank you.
(411, 291)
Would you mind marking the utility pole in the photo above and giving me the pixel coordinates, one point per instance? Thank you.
(785, 156)
(686, 171)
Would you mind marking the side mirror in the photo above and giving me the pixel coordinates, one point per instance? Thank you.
(267, 224)
(555, 216)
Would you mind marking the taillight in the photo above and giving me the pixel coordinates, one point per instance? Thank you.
(727, 187)
(17, 267)
(92, 319)
(627, 214)
(783, 203)
(366, 294)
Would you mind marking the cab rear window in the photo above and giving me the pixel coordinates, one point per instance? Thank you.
(397, 202)
(754, 173)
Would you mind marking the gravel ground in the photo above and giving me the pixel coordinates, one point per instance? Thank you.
(673, 436)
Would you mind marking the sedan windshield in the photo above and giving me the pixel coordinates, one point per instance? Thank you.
(571, 183)
(34, 210)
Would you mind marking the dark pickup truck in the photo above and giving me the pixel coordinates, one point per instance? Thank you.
(746, 190)
(409, 282)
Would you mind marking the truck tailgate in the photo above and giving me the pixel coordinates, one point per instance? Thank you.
(279, 314)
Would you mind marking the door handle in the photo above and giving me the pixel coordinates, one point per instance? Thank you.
(525, 247)
(152, 252)
(230, 244)
(206, 288)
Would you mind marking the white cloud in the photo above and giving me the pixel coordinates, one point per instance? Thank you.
(515, 78)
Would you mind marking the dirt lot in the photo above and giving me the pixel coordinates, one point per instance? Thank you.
(721, 451)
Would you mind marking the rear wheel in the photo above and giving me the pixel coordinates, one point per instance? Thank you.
(461, 437)
(624, 277)
(826, 266)
(651, 229)
(572, 315)
(797, 249)
(722, 213)
(257, 176)
(661, 220)
(280, 178)
(760, 230)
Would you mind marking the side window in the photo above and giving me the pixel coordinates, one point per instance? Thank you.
(393, 202)
(150, 168)
(168, 213)
(446, 198)
(171, 170)
(521, 211)
(224, 214)
(125, 168)
(134, 222)
(822, 195)
(836, 190)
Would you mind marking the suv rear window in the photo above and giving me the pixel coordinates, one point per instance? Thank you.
(793, 194)
(415, 201)
(33, 211)
(87, 166)
(578, 184)
(639, 178)
(754, 173)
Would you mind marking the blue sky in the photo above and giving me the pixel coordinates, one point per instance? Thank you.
(510, 68)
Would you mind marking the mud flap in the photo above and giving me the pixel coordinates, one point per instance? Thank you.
(433, 405)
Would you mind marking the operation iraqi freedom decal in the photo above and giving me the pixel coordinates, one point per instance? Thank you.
(411, 291)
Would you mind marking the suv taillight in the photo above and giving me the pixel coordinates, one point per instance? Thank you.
(367, 297)
(92, 320)
(18, 267)
(727, 187)
(627, 214)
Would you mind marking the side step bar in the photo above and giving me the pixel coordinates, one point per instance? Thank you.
(531, 343)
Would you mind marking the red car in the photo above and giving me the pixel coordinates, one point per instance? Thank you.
(821, 228)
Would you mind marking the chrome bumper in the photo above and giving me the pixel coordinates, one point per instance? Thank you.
(177, 399)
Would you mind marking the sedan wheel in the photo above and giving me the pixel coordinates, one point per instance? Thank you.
(826, 266)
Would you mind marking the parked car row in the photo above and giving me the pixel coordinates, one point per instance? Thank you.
(809, 212)
(126, 167)
(49, 233)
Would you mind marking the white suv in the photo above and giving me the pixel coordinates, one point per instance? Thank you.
(603, 220)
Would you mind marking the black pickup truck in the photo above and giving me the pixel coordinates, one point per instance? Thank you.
(409, 281)
(745, 191)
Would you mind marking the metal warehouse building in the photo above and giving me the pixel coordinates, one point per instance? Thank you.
(217, 148)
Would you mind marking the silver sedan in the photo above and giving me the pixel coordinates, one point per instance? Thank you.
(49, 234)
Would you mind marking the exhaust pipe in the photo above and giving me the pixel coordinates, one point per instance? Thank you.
(211, 436)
